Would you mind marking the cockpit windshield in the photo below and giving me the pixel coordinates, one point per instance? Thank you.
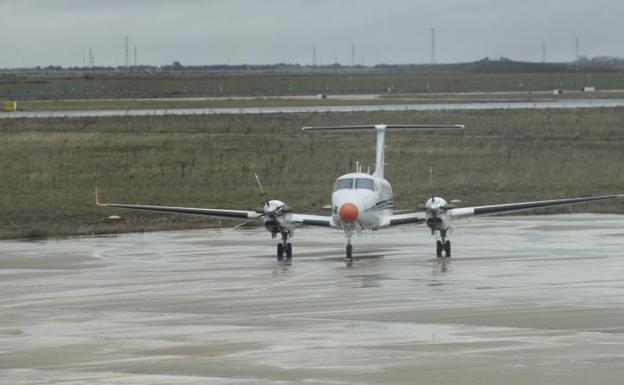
(342, 184)
(365, 184)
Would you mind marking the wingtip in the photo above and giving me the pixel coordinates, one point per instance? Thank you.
(96, 196)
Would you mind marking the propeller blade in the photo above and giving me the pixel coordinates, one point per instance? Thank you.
(264, 195)
(240, 225)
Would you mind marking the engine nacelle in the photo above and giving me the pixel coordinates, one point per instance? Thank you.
(436, 217)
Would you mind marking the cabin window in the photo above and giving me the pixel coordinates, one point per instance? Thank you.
(368, 184)
(342, 184)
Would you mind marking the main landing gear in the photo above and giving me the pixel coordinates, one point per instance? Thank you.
(443, 246)
(285, 247)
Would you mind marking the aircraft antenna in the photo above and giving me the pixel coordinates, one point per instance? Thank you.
(264, 195)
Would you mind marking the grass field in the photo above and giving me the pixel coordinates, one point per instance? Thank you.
(87, 86)
(48, 167)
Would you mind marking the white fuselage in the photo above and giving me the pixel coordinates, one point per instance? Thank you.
(361, 202)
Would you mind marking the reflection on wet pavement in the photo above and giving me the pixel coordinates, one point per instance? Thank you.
(546, 305)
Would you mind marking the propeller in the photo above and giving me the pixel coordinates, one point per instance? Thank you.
(279, 208)
(271, 208)
(438, 209)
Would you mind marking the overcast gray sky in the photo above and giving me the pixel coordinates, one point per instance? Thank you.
(60, 32)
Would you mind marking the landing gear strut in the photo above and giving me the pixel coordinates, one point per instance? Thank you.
(285, 247)
(349, 250)
(443, 246)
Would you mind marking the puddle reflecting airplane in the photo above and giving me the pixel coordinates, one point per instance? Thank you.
(363, 202)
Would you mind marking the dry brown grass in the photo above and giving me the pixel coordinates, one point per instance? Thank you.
(48, 167)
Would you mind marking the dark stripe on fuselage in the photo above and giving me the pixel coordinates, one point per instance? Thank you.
(382, 208)
(382, 204)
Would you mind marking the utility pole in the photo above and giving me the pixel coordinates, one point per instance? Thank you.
(127, 62)
(314, 55)
(433, 46)
(352, 55)
(135, 56)
(578, 49)
(543, 52)
(91, 58)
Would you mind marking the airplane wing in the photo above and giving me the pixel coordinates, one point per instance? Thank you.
(218, 213)
(464, 212)
(312, 220)
(406, 218)
(301, 219)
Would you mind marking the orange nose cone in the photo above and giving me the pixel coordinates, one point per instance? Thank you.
(348, 212)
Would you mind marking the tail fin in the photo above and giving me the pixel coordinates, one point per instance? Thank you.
(381, 135)
(431, 181)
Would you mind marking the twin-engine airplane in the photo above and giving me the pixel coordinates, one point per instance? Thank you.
(363, 202)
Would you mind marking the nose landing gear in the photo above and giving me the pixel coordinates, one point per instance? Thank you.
(349, 248)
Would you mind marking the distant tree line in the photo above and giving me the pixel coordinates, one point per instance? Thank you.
(485, 65)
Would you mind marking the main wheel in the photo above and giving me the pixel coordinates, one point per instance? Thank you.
(349, 251)
(447, 249)
(280, 251)
(439, 249)
(289, 250)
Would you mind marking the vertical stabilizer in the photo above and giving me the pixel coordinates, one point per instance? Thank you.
(379, 159)
(381, 135)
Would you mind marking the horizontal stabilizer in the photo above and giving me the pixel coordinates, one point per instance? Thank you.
(380, 130)
(393, 127)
